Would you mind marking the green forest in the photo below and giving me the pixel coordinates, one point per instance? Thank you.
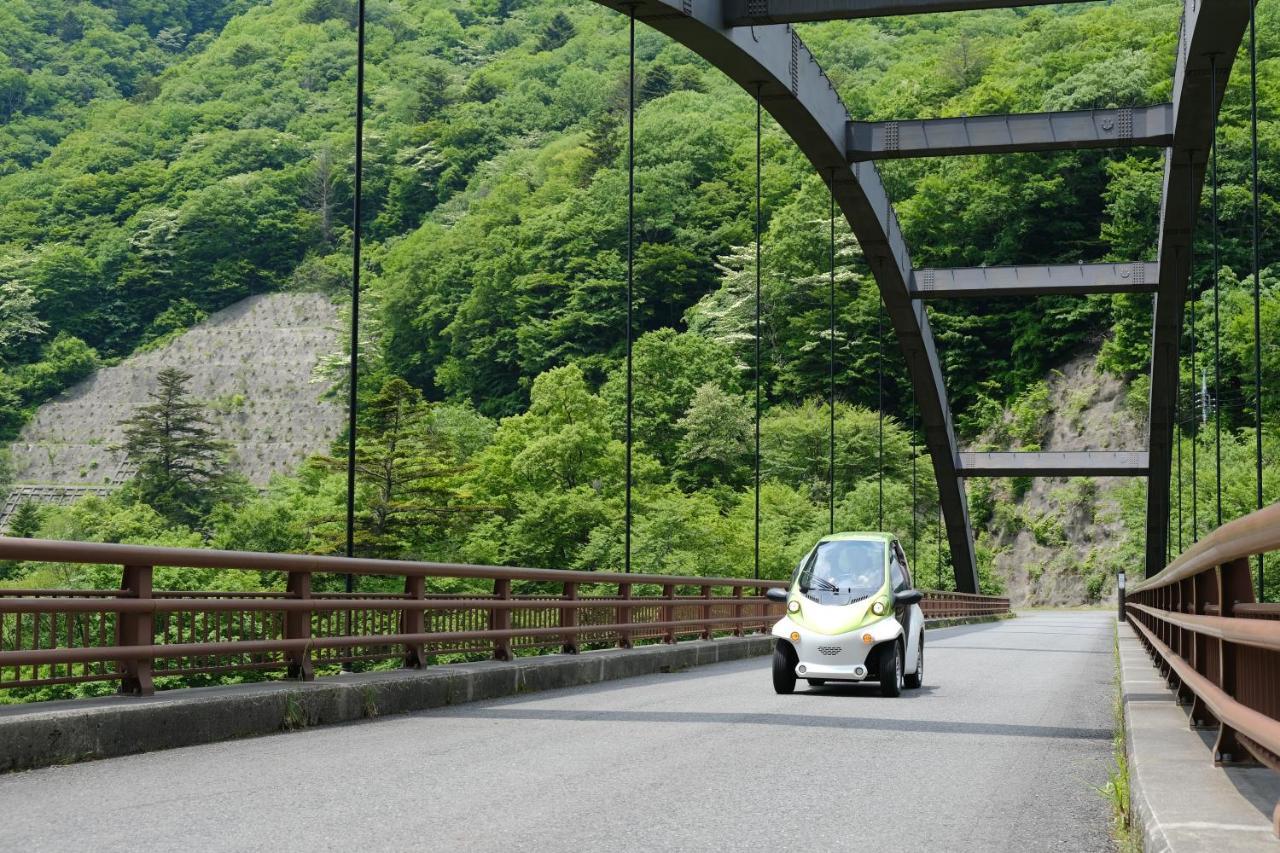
(162, 159)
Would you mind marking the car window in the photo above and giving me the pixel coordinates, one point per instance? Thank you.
(843, 571)
(897, 572)
(902, 557)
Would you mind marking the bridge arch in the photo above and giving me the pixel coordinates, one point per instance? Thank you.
(754, 43)
(793, 88)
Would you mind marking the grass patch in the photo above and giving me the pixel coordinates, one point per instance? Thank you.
(295, 717)
(1117, 792)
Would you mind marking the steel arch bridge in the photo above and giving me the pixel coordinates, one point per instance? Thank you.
(755, 44)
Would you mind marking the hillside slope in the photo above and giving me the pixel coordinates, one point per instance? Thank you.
(1060, 541)
(252, 362)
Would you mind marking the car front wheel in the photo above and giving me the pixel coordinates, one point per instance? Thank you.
(784, 668)
(891, 669)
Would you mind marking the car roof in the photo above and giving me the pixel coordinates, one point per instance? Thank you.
(860, 535)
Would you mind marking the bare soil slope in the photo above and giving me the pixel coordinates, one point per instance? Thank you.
(1060, 541)
(252, 363)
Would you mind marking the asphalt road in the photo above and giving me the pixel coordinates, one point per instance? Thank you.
(1004, 748)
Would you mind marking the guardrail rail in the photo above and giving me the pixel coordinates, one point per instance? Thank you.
(1214, 643)
(136, 633)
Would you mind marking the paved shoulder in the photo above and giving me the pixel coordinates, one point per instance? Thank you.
(1004, 748)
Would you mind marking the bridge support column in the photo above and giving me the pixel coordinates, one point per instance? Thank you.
(136, 629)
(1235, 586)
(737, 611)
(297, 626)
(414, 622)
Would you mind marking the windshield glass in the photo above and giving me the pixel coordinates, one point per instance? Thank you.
(843, 571)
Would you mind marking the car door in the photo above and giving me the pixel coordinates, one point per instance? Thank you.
(910, 617)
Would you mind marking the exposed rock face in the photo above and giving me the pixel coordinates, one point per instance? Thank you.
(252, 363)
(1061, 541)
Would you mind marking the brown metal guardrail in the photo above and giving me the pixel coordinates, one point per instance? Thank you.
(1214, 644)
(136, 633)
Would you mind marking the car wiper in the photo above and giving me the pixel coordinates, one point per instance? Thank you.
(827, 585)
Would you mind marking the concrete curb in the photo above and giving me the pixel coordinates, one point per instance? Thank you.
(1181, 802)
(64, 732)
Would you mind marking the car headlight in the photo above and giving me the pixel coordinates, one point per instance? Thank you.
(793, 606)
(879, 608)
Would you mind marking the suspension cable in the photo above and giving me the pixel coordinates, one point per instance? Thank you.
(880, 407)
(356, 227)
(1177, 420)
(759, 119)
(914, 488)
(1217, 344)
(1257, 286)
(831, 358)
(1193, 295)
(631, 269)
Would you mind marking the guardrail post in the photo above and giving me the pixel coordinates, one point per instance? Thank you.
(1234, 587)
(1183, 596)
(297, 626)
(569, 619)
(737, 611)
(622, 616)
(669, 610)
(414, 621)
(706, 613)
(136, 629)
(500, 619)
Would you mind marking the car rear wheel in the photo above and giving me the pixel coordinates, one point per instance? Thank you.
(784, 668)
(891, 669)
(915, 679)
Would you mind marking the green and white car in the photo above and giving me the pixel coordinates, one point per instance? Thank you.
(852, 615)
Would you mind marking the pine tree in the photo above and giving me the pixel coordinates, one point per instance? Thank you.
(658, 82)
(405, 474)
(559, 31)
(25, 521)
(180, 462)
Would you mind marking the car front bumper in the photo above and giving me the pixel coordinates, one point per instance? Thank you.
(836, 657)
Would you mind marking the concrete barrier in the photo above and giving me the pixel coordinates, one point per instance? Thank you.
(62, 732)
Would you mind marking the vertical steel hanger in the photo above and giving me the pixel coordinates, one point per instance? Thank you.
(759, 118)
(356, 228)
(880, 407)
(1193, 295)
(1257, 286)
(631, 269)
(831, 367)
(1217, 324)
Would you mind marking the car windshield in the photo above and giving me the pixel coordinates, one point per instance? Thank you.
(843, 571)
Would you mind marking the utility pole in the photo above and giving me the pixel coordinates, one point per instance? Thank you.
(1204, 397)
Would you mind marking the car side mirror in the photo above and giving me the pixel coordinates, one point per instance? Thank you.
(907, 597)
(776, 593)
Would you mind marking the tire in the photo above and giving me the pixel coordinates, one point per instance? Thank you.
(817, 682)
(891, 669)
(784, 668)
(915, 679)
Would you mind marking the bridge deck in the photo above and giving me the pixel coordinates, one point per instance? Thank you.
(1003, 749)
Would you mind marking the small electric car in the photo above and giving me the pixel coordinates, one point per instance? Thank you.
(852, 615)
